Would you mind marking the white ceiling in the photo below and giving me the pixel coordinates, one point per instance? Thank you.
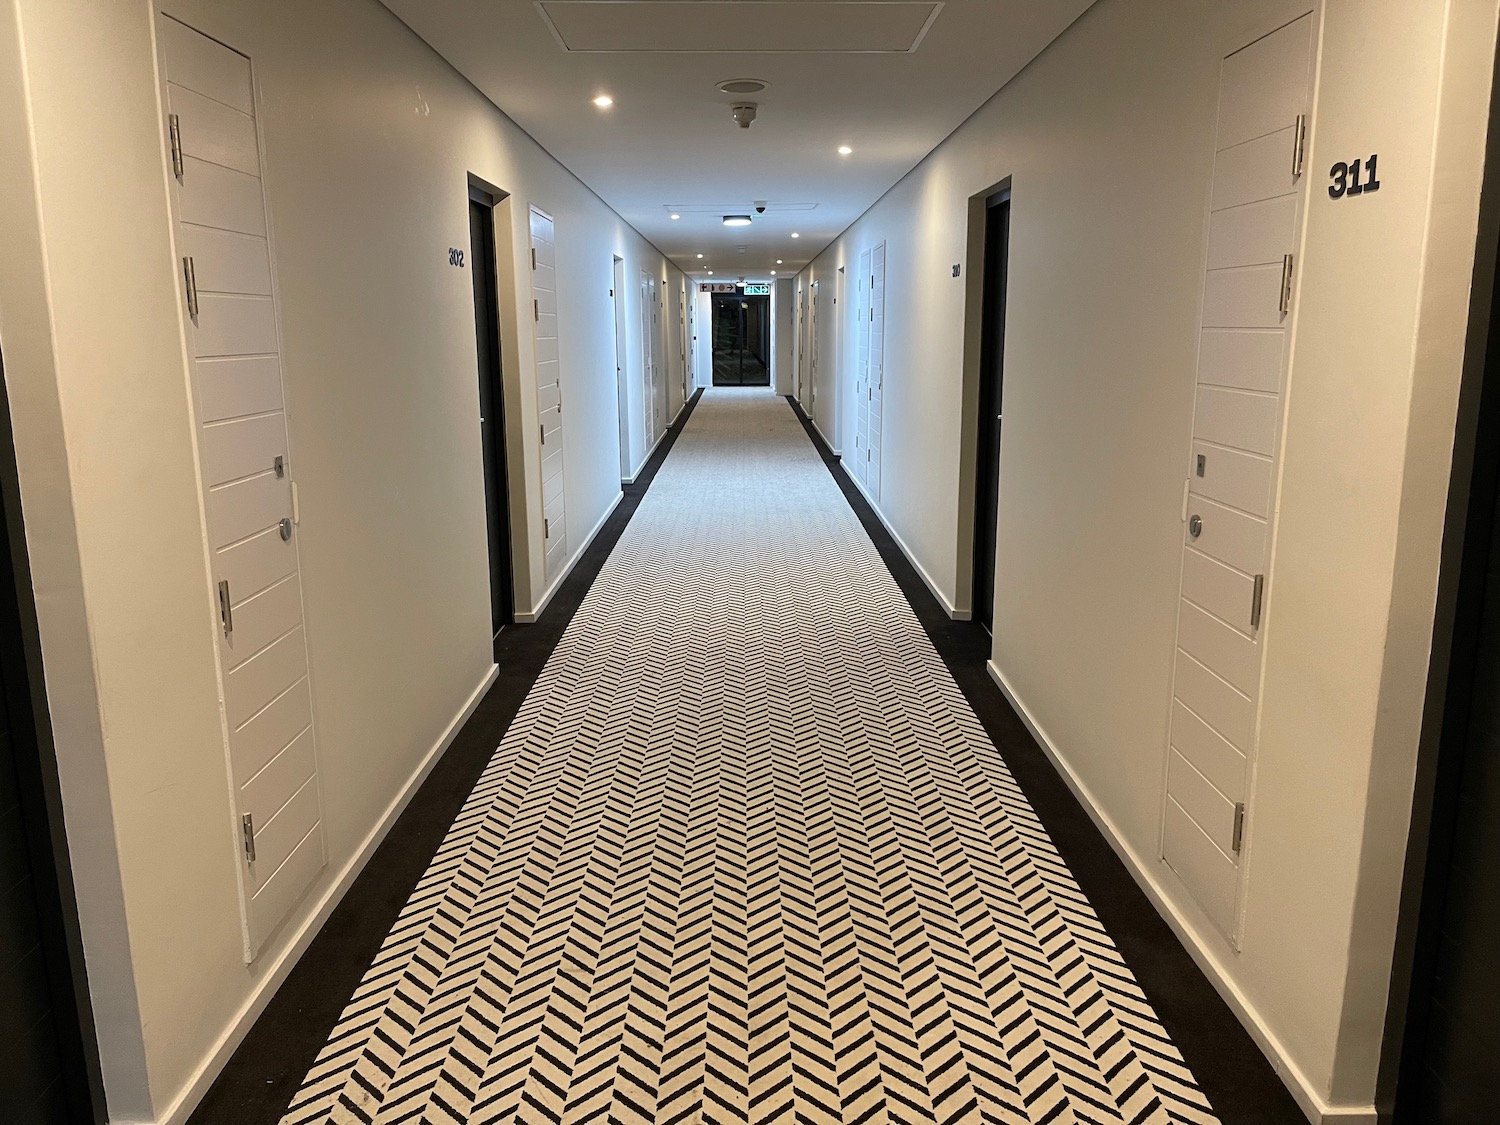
(889, 78)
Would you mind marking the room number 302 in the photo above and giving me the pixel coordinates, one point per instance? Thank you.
(1347, 179)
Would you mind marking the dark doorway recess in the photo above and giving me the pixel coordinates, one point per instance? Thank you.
(491, 403)
(742, 340)
(991, 382)
(1441, 1065)
(49, 1072)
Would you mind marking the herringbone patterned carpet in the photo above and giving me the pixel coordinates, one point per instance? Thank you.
(746, 855)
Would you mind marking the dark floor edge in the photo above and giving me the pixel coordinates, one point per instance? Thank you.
(1240, 1082)
(266, 1070)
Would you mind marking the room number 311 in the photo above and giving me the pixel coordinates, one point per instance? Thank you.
(1346, 179)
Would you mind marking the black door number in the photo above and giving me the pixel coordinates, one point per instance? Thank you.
(1346, 177)
(455, 257)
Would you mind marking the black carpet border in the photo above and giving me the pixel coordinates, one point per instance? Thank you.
(1237, 1078)
(267, 1069)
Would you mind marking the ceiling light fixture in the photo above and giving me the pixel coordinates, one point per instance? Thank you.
(675, 217)
(773, 273)
(743, 86)
(778, 261)
(604, 101)
(737, 220)
(700, 257)
(845, 150)
(796, 235)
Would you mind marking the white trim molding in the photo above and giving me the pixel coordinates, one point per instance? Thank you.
(181, 1109)
(1308, 1099)
(948, 607)
(529, 617)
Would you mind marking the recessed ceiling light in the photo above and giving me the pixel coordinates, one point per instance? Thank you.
(604, 101)
(710, 273)
(736, 220)
(700, 257)
(743, 86)
(778, 261)
(675, 217)
(796, 235)
(773, 273)
(845, 150)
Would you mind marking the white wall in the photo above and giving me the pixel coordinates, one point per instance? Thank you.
(835, 323)
(1108, 141)
(369, 138)
(783, 335)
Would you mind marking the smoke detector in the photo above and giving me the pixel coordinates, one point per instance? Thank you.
(744, 114)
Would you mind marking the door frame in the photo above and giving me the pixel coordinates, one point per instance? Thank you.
(973, 375)
(650, 345)
(1472, 490)
(42, 802)
(622, 364)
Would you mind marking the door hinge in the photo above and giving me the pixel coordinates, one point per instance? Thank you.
(190, 282)
(546, 529)
(1239, 829)
(1299, 144)
(542, 430)
(226, 609)
(174, 134)
(533, 257)
(1257, 600)
(247, 833)
(536, 311)
(1288, 266)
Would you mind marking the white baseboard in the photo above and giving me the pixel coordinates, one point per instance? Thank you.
(948, 607)
(528, 617)
(635, 473)
(183, 1105)
(1188, 931)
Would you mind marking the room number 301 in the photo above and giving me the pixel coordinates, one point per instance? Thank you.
(1347, 177)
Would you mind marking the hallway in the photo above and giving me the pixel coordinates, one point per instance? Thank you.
(746, 854)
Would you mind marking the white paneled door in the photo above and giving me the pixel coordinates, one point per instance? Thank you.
(1254, 219)
(869, 369)
(654, 387)
(246, 471)
(861, 453)
(815, 345)
(549, 401)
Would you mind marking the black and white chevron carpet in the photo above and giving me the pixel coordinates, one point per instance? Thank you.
(746, 855)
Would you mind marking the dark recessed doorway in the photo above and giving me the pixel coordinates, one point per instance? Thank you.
(491, 403)
(991, 383)
(742, 340)
(49, 1068)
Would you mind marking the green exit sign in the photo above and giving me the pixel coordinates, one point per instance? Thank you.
(757, 290)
